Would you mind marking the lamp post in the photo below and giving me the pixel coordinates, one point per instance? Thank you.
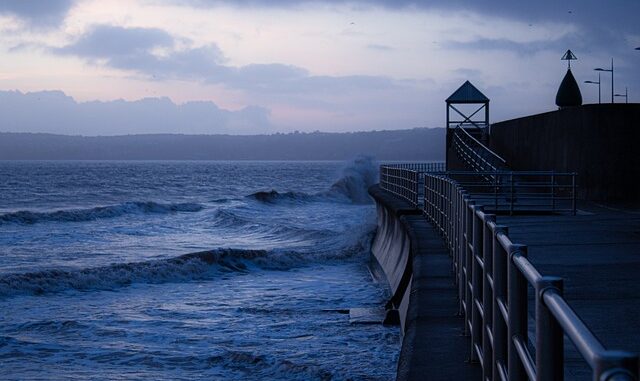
(598, 83)
(611, 70)
(625, 95)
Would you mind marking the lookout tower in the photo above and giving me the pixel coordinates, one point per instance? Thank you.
(470, 110)
(467, 110)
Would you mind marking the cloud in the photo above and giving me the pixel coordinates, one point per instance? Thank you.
(105, 41)
(522, 48)
(133, 49)
(38, 13)
(599, 22)
(384, 48)
(59, 113)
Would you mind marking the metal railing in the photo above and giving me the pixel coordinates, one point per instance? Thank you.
(475, 155)
(520, 191)
(500, 191)
(436, 166)
(493, 276)
(406, 180)
(404, 183)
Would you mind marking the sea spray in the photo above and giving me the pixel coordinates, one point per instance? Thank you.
(356, 179)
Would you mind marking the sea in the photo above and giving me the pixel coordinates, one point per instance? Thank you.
(186, 270)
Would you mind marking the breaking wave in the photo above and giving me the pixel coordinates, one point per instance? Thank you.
(187, 267)
(273, 196)
(76, 215)
(352, 186)
(356, 179)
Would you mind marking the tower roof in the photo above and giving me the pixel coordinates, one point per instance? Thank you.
(568, 93)
(467, 93)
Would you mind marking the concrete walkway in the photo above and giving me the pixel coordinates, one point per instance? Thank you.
(597, 253)
(433, 346)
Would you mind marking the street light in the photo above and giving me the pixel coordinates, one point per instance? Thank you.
(611, 70)
(625, 95)
(597, 83)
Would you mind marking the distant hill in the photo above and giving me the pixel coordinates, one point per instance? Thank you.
(413, 144)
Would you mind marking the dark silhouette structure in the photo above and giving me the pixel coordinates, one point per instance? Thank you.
(568, 93)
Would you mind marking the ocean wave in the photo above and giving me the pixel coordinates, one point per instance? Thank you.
(356, 179)
(187, 267)
(352, 186)
(268, 366)
(27, 217)
(273, 196)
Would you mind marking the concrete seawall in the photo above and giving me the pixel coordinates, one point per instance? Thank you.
(418, 269)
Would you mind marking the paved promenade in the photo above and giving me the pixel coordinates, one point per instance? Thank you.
(597, 253)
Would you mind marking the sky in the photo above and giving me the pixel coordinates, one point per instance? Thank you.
(110, 67)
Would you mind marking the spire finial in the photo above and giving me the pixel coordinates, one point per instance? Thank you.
(569, 56)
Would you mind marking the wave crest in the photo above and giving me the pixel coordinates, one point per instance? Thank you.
(26, 217)
(187, 267)
(352, 186)
(272, 196)
(356, 179)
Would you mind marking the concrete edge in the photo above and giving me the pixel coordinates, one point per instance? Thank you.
(396, 205)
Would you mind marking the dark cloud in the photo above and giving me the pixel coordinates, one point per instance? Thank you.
(132, 49)
(38, 13)
(545, 10)
(105, 41)
(602, 25)
(59, 113)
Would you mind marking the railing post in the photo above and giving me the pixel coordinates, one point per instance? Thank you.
(512, 194)
(425, 197)
(461, 248)
(549, 334)
(495, 190)
(476, 282)
(439, 203)
(467, 265)
(517, 302)
(500, 323)
(487, 297)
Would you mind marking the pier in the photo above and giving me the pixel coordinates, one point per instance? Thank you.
(515, 260)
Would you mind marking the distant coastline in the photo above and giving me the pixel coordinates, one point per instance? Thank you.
(418, 144)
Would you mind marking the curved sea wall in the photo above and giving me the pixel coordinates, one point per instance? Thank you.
(417, 267)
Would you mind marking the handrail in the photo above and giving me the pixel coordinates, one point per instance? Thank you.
(405, 180)
(429, 167)
(493, 276)
(487, 149)
(401, 182)
(475, 155)
(501, 191)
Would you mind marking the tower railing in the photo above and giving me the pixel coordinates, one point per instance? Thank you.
(475, 155)
(494, 278)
